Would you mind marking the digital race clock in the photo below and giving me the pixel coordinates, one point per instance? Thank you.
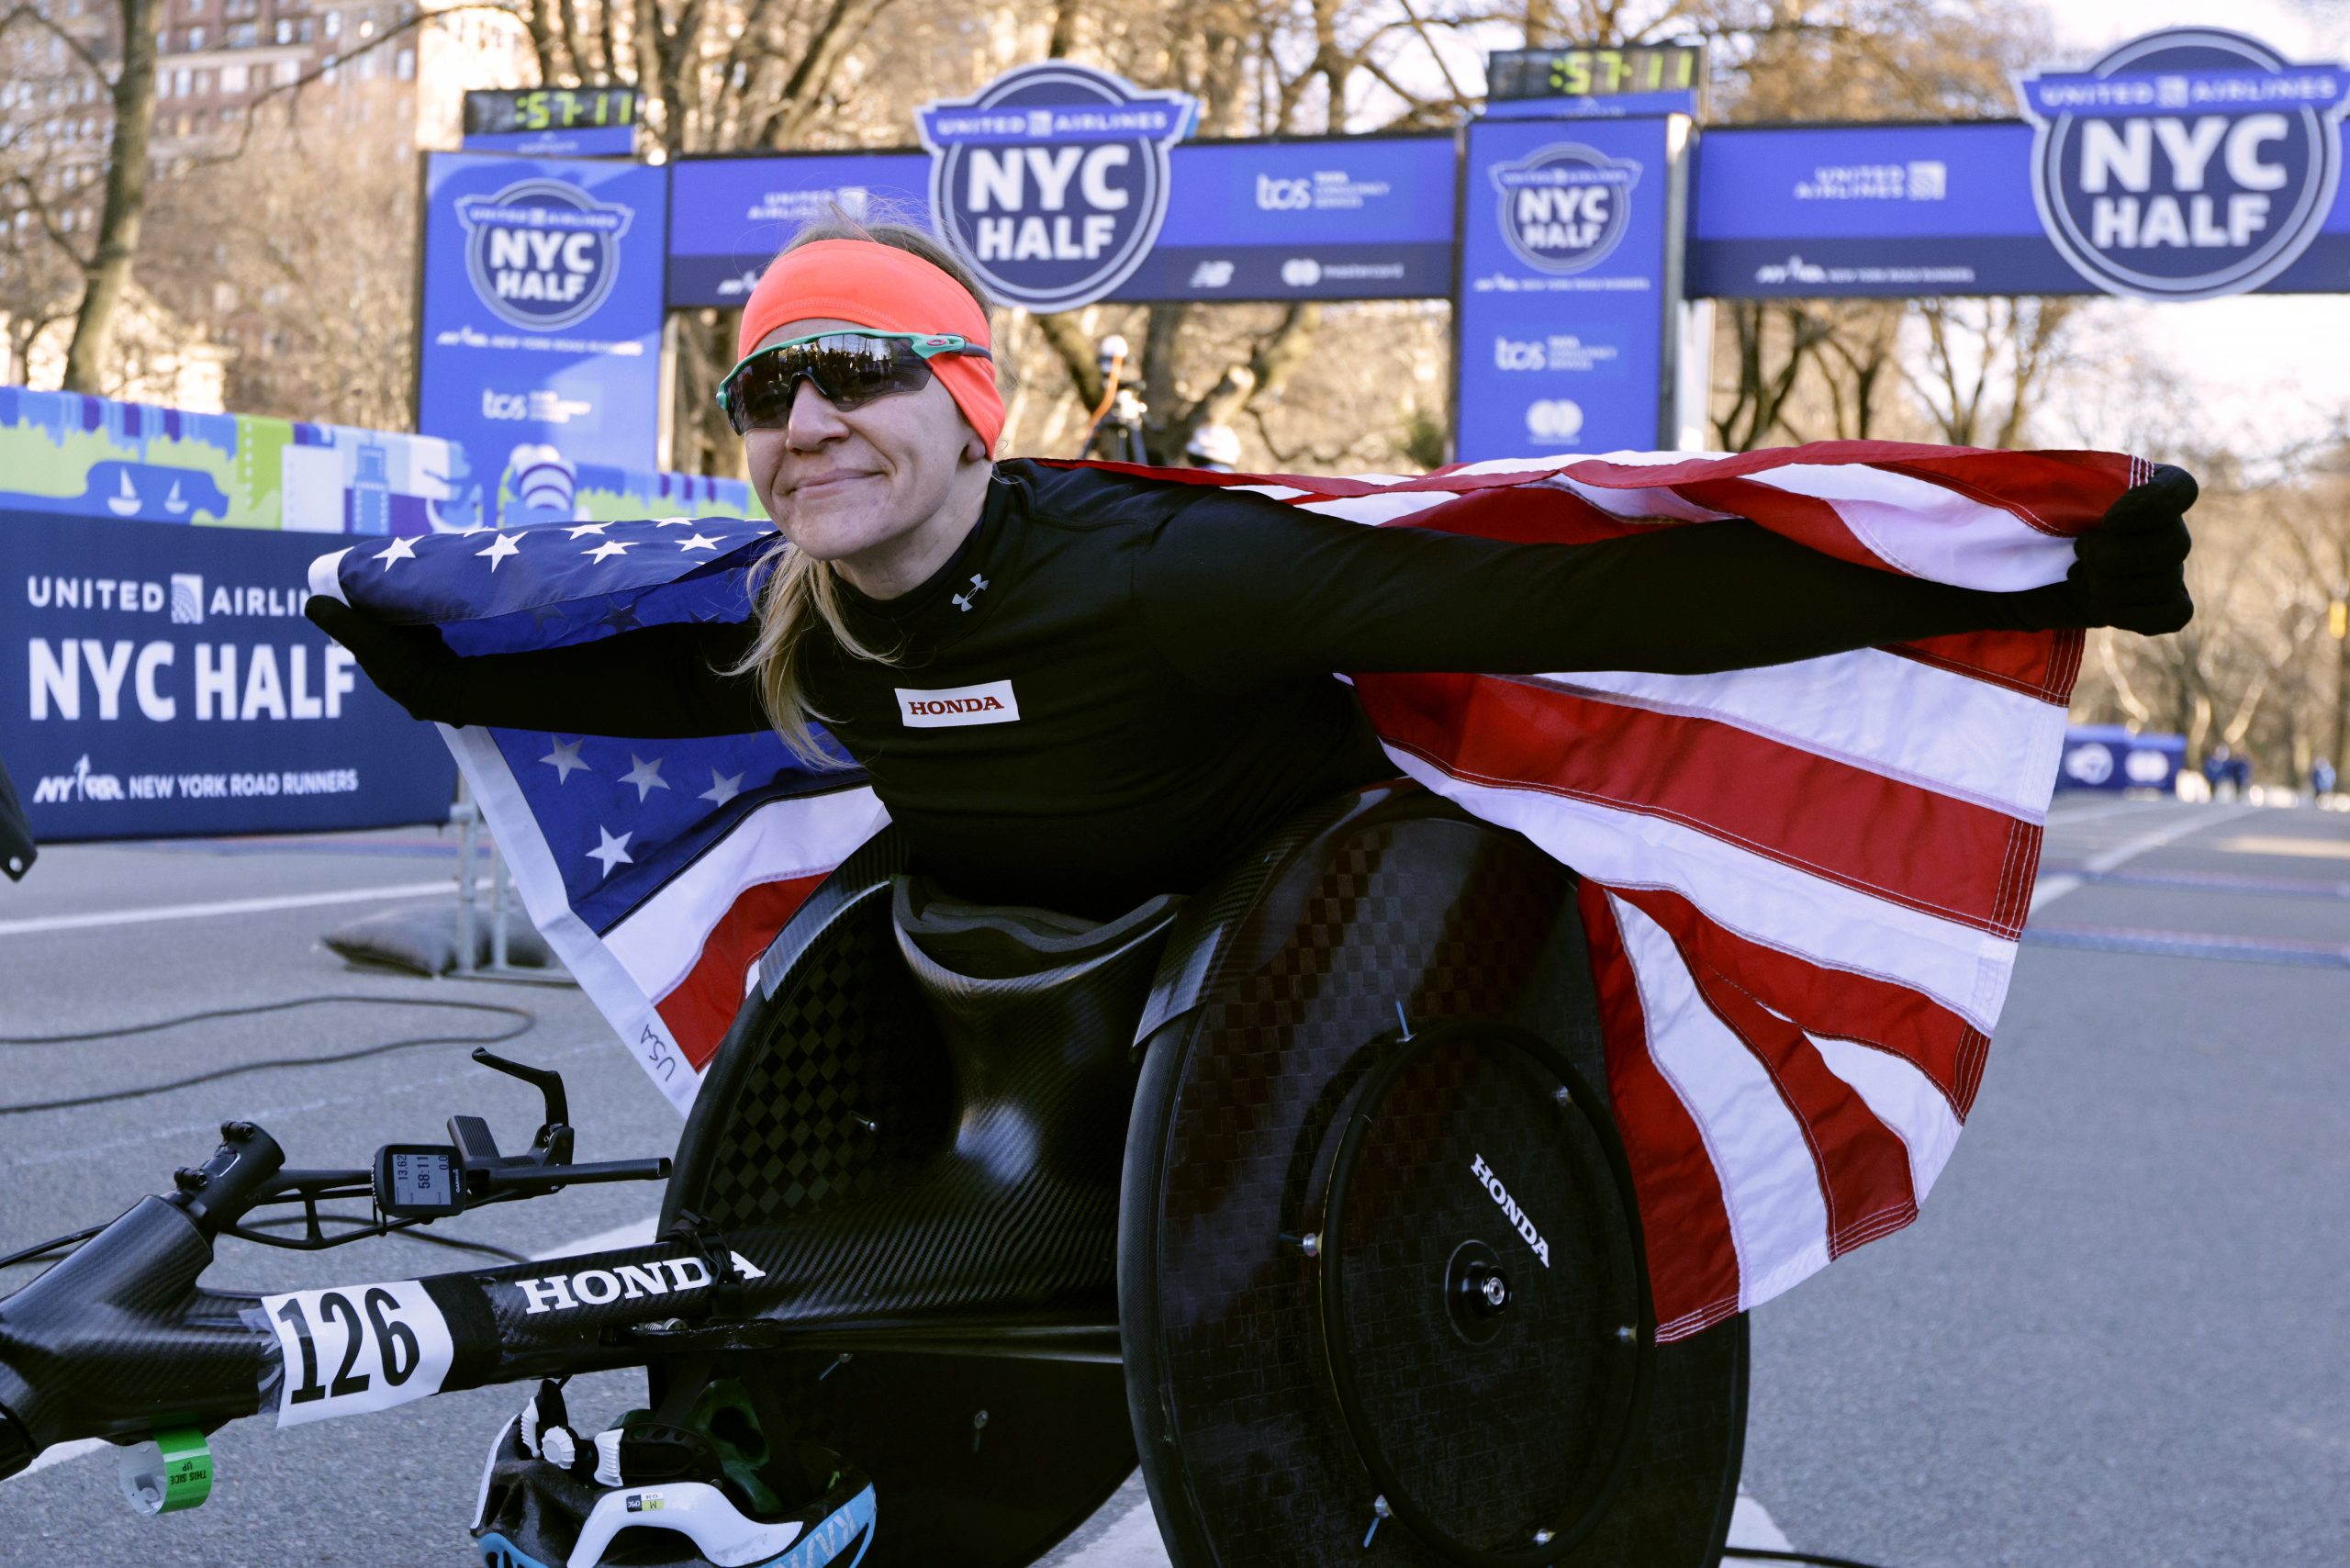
(510, 110)
(1514, 74)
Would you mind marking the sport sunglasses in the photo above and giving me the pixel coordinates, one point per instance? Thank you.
(847, 369)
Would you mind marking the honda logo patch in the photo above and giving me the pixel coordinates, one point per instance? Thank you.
(990, 705)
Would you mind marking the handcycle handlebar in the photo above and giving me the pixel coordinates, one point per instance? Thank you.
(121, 1341)
(118, 1338)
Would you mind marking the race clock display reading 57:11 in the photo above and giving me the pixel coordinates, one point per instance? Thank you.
(1595, 72)
(548, 108)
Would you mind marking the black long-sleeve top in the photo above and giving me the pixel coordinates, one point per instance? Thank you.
(1119, 684)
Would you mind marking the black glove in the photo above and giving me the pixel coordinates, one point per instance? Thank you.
(2130, 570)
(410, 665)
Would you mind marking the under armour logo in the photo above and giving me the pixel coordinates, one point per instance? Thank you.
(963, 600)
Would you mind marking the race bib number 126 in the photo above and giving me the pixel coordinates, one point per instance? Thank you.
(357, 1348)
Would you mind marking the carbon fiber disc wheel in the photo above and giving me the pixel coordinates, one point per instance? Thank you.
(1481, 1294)
(1280, 1015)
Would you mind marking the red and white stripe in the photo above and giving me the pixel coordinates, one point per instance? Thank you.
(1803, 885)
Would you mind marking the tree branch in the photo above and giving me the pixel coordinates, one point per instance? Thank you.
(81, 50)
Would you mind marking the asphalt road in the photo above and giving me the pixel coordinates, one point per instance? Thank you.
(2115, 1337)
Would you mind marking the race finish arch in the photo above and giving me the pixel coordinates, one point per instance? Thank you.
(1579, 227)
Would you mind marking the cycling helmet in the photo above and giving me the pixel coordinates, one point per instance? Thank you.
(652, 1494)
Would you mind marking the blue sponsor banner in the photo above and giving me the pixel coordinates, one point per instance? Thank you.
(2108, 757)
(728, 216)
(170, 685)
(1869, 210)
(587, 141)
(2182, 165)
(543, 307)
(1333, 217)
(1325, 217)
(2185, 165)
(1051, 181)
(1563, 307)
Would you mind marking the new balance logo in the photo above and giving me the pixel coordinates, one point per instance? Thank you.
(990, 705)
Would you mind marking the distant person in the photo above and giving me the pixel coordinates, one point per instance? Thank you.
(2218, 769)
(2321, 777)
(17, 852)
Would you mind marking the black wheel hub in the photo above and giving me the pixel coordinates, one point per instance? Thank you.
(1481, 1294)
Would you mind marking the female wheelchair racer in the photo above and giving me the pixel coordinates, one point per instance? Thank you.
(934, 1239)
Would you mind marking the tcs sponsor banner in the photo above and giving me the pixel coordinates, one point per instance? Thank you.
(65, 455)
(1334, 217)
(1567, 297)
(167, 684)
(1320, 218)
(543, 307)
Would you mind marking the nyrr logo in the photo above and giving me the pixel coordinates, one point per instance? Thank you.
(1563, 207)
(1052, 181)
(2185, 165)
(542, 253)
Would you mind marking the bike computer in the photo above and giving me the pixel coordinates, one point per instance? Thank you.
(418, 1180)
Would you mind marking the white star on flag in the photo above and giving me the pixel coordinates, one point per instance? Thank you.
(699, 542)
(504, 544)
(564, 759)
(611, 851)
(594, 527)
(675, 522)
(609, 547)
(646, 776)
(722, 788)
(403, 549)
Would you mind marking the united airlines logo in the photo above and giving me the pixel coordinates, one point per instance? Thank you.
(1563, 207)
(1052, 180)
(542, 253)
(2185, 165)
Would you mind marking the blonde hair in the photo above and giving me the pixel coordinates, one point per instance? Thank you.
(793, 591)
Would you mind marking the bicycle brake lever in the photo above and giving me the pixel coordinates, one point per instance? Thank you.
(554, 1136)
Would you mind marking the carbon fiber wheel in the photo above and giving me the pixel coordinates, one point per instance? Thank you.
(1340, 1346)
(1481, 1294)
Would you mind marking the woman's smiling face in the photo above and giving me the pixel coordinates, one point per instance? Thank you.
(860, 482)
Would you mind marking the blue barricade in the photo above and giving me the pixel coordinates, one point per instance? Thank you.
(2108, 757)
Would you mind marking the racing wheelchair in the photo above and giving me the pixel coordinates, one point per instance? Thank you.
(1301, 1193)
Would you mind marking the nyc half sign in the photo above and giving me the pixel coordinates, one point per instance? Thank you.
(2185, 165)
(1051, 181)
(1562, 208)
(542, 253)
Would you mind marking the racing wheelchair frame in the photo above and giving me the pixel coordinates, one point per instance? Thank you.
(1302, 1193)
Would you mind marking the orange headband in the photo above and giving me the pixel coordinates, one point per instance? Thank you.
(891, 290)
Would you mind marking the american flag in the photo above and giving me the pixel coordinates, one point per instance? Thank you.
(1804, 884)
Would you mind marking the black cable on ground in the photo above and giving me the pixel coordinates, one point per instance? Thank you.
(526, 1021)
(1765, 1555)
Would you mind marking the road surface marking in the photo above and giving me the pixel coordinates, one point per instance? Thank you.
(2273, 843)
(46, 922)
(2054, 887)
